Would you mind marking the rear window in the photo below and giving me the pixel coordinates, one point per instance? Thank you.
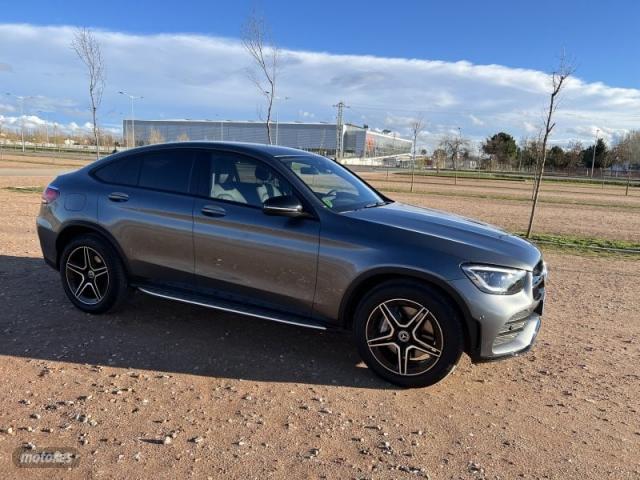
(120, 172)
(168, 170)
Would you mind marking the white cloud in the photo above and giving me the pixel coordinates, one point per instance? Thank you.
(34, 122)
(475, 120)
(194, 76)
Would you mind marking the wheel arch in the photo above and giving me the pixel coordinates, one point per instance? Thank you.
(368, 280)
(73, 229)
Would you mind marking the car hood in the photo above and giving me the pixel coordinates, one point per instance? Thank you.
(468, 239)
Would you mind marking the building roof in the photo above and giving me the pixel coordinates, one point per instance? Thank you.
(250, 122)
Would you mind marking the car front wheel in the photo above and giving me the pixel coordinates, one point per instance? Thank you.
(408, 334)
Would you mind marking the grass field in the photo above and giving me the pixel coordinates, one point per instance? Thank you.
(580, 211)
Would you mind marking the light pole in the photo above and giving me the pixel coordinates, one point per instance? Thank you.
(220, 121)
(21, 99)
(133, 126)
(46, 125)
(593, 159)
(279, 98)
(55, 137)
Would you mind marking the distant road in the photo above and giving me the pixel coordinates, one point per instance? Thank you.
(34, 172)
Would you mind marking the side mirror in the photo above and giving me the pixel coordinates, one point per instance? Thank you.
(283, 206)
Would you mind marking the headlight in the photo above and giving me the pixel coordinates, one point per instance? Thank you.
(496, 280)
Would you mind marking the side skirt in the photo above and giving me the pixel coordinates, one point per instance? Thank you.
(226, 306)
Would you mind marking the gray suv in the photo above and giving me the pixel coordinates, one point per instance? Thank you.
(289, 236)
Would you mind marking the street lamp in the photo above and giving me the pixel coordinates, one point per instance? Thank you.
(593, 159)
(133, 126)
(46, 124)
(21, 99)
(279, 98)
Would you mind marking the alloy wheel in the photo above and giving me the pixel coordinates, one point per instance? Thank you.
(404, 337)
(87, 275)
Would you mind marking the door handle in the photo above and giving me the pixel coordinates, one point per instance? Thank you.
(118, 197)
(213, 211)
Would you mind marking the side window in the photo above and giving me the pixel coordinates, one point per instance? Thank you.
(120, 172)
(239, 179)
(167, 170)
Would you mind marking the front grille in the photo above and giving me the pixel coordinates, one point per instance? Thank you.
(538, 280)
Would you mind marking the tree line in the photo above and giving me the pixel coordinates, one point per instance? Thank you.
(502, 152)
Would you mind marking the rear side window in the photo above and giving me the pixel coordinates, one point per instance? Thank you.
(120, 172)
(167, 170)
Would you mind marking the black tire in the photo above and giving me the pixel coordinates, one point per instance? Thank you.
(106, 288)
(432, 346)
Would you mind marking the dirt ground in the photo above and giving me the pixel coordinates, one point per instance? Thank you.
(594, 211)
(246, 398)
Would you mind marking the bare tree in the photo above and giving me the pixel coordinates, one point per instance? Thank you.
(88, 49)
(558, 79)
(265, 54)
(537, 150)
(417, 126)
(573, 154)
(453, 145)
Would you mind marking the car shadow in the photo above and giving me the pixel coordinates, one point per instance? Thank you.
(39, 322)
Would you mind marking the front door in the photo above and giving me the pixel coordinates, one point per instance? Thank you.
(240, 252)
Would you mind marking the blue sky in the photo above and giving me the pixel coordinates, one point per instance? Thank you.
(470, 64)
(602, 36)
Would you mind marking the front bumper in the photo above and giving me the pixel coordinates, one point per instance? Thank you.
(507, 324)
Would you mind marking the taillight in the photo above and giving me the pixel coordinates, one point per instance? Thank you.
(50, 194)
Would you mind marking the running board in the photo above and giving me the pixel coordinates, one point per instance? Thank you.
(226, 306)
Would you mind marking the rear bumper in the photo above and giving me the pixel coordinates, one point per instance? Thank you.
(47, 239)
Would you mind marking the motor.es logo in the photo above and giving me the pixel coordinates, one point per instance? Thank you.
(54, 457)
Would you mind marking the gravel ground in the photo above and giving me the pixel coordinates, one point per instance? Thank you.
(163, 389)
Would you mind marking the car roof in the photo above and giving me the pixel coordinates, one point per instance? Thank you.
(256, 148)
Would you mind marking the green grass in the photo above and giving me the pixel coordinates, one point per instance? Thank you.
(25, 189)
(521, 177)
(581, 242)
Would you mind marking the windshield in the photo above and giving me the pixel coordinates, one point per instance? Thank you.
(334, 185)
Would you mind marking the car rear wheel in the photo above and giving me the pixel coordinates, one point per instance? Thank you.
(93, 276)
(408, 334)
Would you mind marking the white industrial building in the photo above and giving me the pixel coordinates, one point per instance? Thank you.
(318, 137)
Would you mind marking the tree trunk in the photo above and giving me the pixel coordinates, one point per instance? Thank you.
(543, 157)
(539, 177)
(96, 135)
(413, 168)
(269, 118)
(455, 171)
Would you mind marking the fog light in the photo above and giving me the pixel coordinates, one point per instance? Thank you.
(509, 331)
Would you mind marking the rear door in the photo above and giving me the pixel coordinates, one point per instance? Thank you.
(145, 204)
(240, 252)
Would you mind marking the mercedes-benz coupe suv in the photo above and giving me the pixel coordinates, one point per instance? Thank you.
(290, 236)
